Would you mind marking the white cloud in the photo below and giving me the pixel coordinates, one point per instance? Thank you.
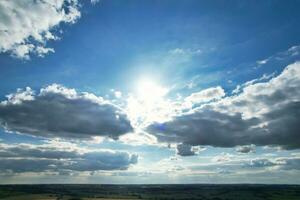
(265, 77)
(139, 138)
(118, 94)
(95, 1)
(26, 26)
(210, 94)
(19, 96)
(180, 51)
(262, 62)
(260, 98)
(41, 51)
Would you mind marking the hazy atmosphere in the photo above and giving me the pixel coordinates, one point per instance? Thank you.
(149, 91)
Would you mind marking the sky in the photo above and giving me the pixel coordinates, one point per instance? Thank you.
(146, 92)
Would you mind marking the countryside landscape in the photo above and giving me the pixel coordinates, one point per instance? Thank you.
(163, 192)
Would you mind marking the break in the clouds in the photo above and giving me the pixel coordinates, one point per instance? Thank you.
(26, 26)
(61, 158)
(265, 113)
(57, 111)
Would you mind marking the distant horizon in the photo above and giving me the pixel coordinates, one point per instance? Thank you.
(151, 184)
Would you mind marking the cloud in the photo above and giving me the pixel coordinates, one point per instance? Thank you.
(240, 164)
(185, 150)
(205, 127)
(118, 94)
(262, 62)
(262, 114)
(180, 51)
(265, 77)
(57, 111)
(26, 26)
(260, 162)
(223, 157)
(290, 54)
(246, 149)
(94, 1)
(206, 95)
(40, 158)
(281, 163)
(288, 163)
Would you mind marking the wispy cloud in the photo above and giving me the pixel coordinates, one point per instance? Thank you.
(283, 55)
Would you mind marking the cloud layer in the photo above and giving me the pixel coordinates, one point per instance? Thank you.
(26, 26)
(61, 112)
(52, 158)
(262, 114)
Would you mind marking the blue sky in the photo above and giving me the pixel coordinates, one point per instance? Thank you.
(162, 91)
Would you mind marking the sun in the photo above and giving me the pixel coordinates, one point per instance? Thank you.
(147, 103)
(150, 91)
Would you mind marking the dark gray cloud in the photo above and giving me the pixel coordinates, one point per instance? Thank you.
(42, 158)
(262, 114)
(283, 126)
(61, 112)
(206, 127)
(185, 150)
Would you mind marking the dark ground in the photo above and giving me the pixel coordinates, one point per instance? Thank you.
(202, 191)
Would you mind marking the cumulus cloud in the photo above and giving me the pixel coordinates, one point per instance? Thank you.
(41, 158)
(57, 111)
(262, 114)
(26, 26)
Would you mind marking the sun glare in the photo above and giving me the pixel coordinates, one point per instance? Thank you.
(148, 90)
(147, 103)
